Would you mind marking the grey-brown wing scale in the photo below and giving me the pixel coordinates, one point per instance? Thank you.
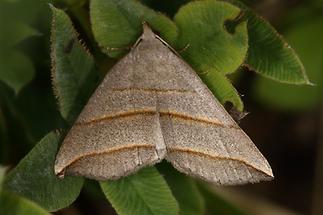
(202, 139)
(118, 131)
(150, 106)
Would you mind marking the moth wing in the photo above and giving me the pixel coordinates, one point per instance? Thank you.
(202, 139)
(118, 131)
(152, 101)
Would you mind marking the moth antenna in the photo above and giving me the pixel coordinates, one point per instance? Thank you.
(118, 48)
(184, 48)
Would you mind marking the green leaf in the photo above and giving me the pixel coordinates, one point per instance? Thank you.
(15, 205)
(269, 54)
(16, 70)
(305, 38)
(211, 49)
(117, 24)
(222, 89)
(34, 177)
(202, 26)
(73, 69)
(190, 200)
(144, 193)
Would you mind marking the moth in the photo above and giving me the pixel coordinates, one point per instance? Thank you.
(153, 106)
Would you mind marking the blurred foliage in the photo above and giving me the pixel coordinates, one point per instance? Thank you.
(17, 29)
(305, 38)
(269, 54)
(2, 174)
(217, 43)
(24, 107)
(218, 205)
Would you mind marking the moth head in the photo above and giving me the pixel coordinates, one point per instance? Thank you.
(147, 34)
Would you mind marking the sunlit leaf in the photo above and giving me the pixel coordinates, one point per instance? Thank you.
(222, 88)
(210, 45)
(210, 48)
(117, 24)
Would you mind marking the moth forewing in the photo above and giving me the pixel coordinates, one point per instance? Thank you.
(150, 106)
